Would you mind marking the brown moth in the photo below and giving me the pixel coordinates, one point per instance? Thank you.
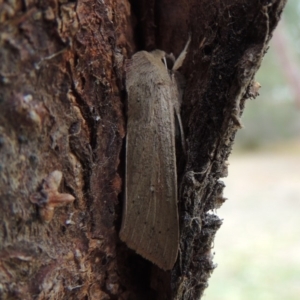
(150, 215)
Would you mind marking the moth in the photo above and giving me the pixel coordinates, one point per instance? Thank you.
(150, 223)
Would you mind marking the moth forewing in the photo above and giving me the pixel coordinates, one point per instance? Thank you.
(150, 216)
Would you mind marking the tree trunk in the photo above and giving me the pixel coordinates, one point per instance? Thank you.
(62, 130)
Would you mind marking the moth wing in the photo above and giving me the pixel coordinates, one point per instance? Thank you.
(150, 219)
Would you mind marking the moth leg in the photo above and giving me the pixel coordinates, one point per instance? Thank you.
(181, 130)
(165, 62)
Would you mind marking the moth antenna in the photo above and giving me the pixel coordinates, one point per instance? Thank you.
(179, 61)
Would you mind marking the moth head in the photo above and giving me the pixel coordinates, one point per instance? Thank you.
(170, 60)
(159, 55)
(167, 59)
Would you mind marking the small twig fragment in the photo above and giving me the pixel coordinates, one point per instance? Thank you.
(254, 89)
(48, 196)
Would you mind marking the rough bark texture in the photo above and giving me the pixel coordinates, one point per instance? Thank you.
(62, 109)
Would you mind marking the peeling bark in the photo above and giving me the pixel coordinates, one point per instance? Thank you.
(62, 108)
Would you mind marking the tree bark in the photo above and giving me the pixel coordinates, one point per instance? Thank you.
(62, 130)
